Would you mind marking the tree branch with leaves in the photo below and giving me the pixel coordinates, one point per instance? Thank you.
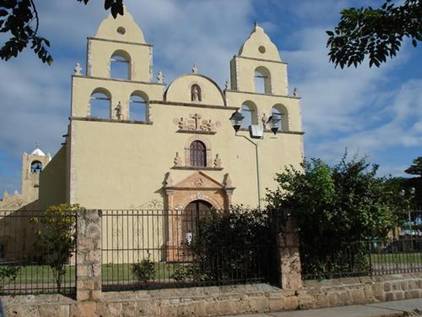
(19, 24)
(374, 33)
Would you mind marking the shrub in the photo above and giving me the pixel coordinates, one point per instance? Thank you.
(233, 245)
(144, 270)
(188, 272)
(8, 274)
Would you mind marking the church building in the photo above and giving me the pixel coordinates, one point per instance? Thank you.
(137, 142)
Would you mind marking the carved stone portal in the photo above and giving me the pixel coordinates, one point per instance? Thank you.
(196, 187)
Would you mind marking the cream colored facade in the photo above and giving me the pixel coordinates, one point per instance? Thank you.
(116, 162)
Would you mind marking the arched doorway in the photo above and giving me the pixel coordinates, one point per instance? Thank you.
(192, 214)
(187, 201)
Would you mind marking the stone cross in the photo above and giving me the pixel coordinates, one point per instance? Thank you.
(78, 69)
(160, 77)
(196, 117)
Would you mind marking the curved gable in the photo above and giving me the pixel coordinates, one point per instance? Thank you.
(122, 28)
(259, 45)
(180, 90)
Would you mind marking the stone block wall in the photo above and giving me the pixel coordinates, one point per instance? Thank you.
(220, 301)
(288, 256)
(88, 256)
(207, 301)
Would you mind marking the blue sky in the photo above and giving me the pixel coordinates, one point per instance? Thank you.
(373, 112)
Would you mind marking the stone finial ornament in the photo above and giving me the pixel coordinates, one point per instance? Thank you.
(118, 110)
(78, 69)
(160, 77)
(226, 85)
(295, 92)
(177, 160)
(194, 69)
(227, 181)
(168, 181)
(217, 161)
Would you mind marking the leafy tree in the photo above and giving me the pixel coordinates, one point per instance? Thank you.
(376, 33)
(57, 238)
(416, 167)
(336, 208)
(19, 21)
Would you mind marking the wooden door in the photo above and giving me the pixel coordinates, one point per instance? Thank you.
(193, 213)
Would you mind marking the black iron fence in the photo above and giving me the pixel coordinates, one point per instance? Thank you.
(144, 249)
(156, 249)
(361, 258)
(27, 265)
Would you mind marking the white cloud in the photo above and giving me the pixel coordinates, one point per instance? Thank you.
(332, 98)
(404, 108)
(357, 109)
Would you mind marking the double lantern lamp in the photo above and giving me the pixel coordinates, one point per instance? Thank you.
(237, 119)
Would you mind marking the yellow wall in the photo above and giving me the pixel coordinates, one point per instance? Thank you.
(53, 180)
(123, 165)
(117, 164)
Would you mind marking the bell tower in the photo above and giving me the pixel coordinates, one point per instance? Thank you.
(32, 166)
(119, 40)
(258, 67)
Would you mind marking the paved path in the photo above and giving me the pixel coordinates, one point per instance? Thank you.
(389, 309)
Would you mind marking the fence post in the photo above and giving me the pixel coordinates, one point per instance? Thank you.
(288, 256)
(88, 255)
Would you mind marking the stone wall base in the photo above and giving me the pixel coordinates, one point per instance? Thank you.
(219, 301)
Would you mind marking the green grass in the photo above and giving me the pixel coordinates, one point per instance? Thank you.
(397, 258)
(123, 272)
(38, 274)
